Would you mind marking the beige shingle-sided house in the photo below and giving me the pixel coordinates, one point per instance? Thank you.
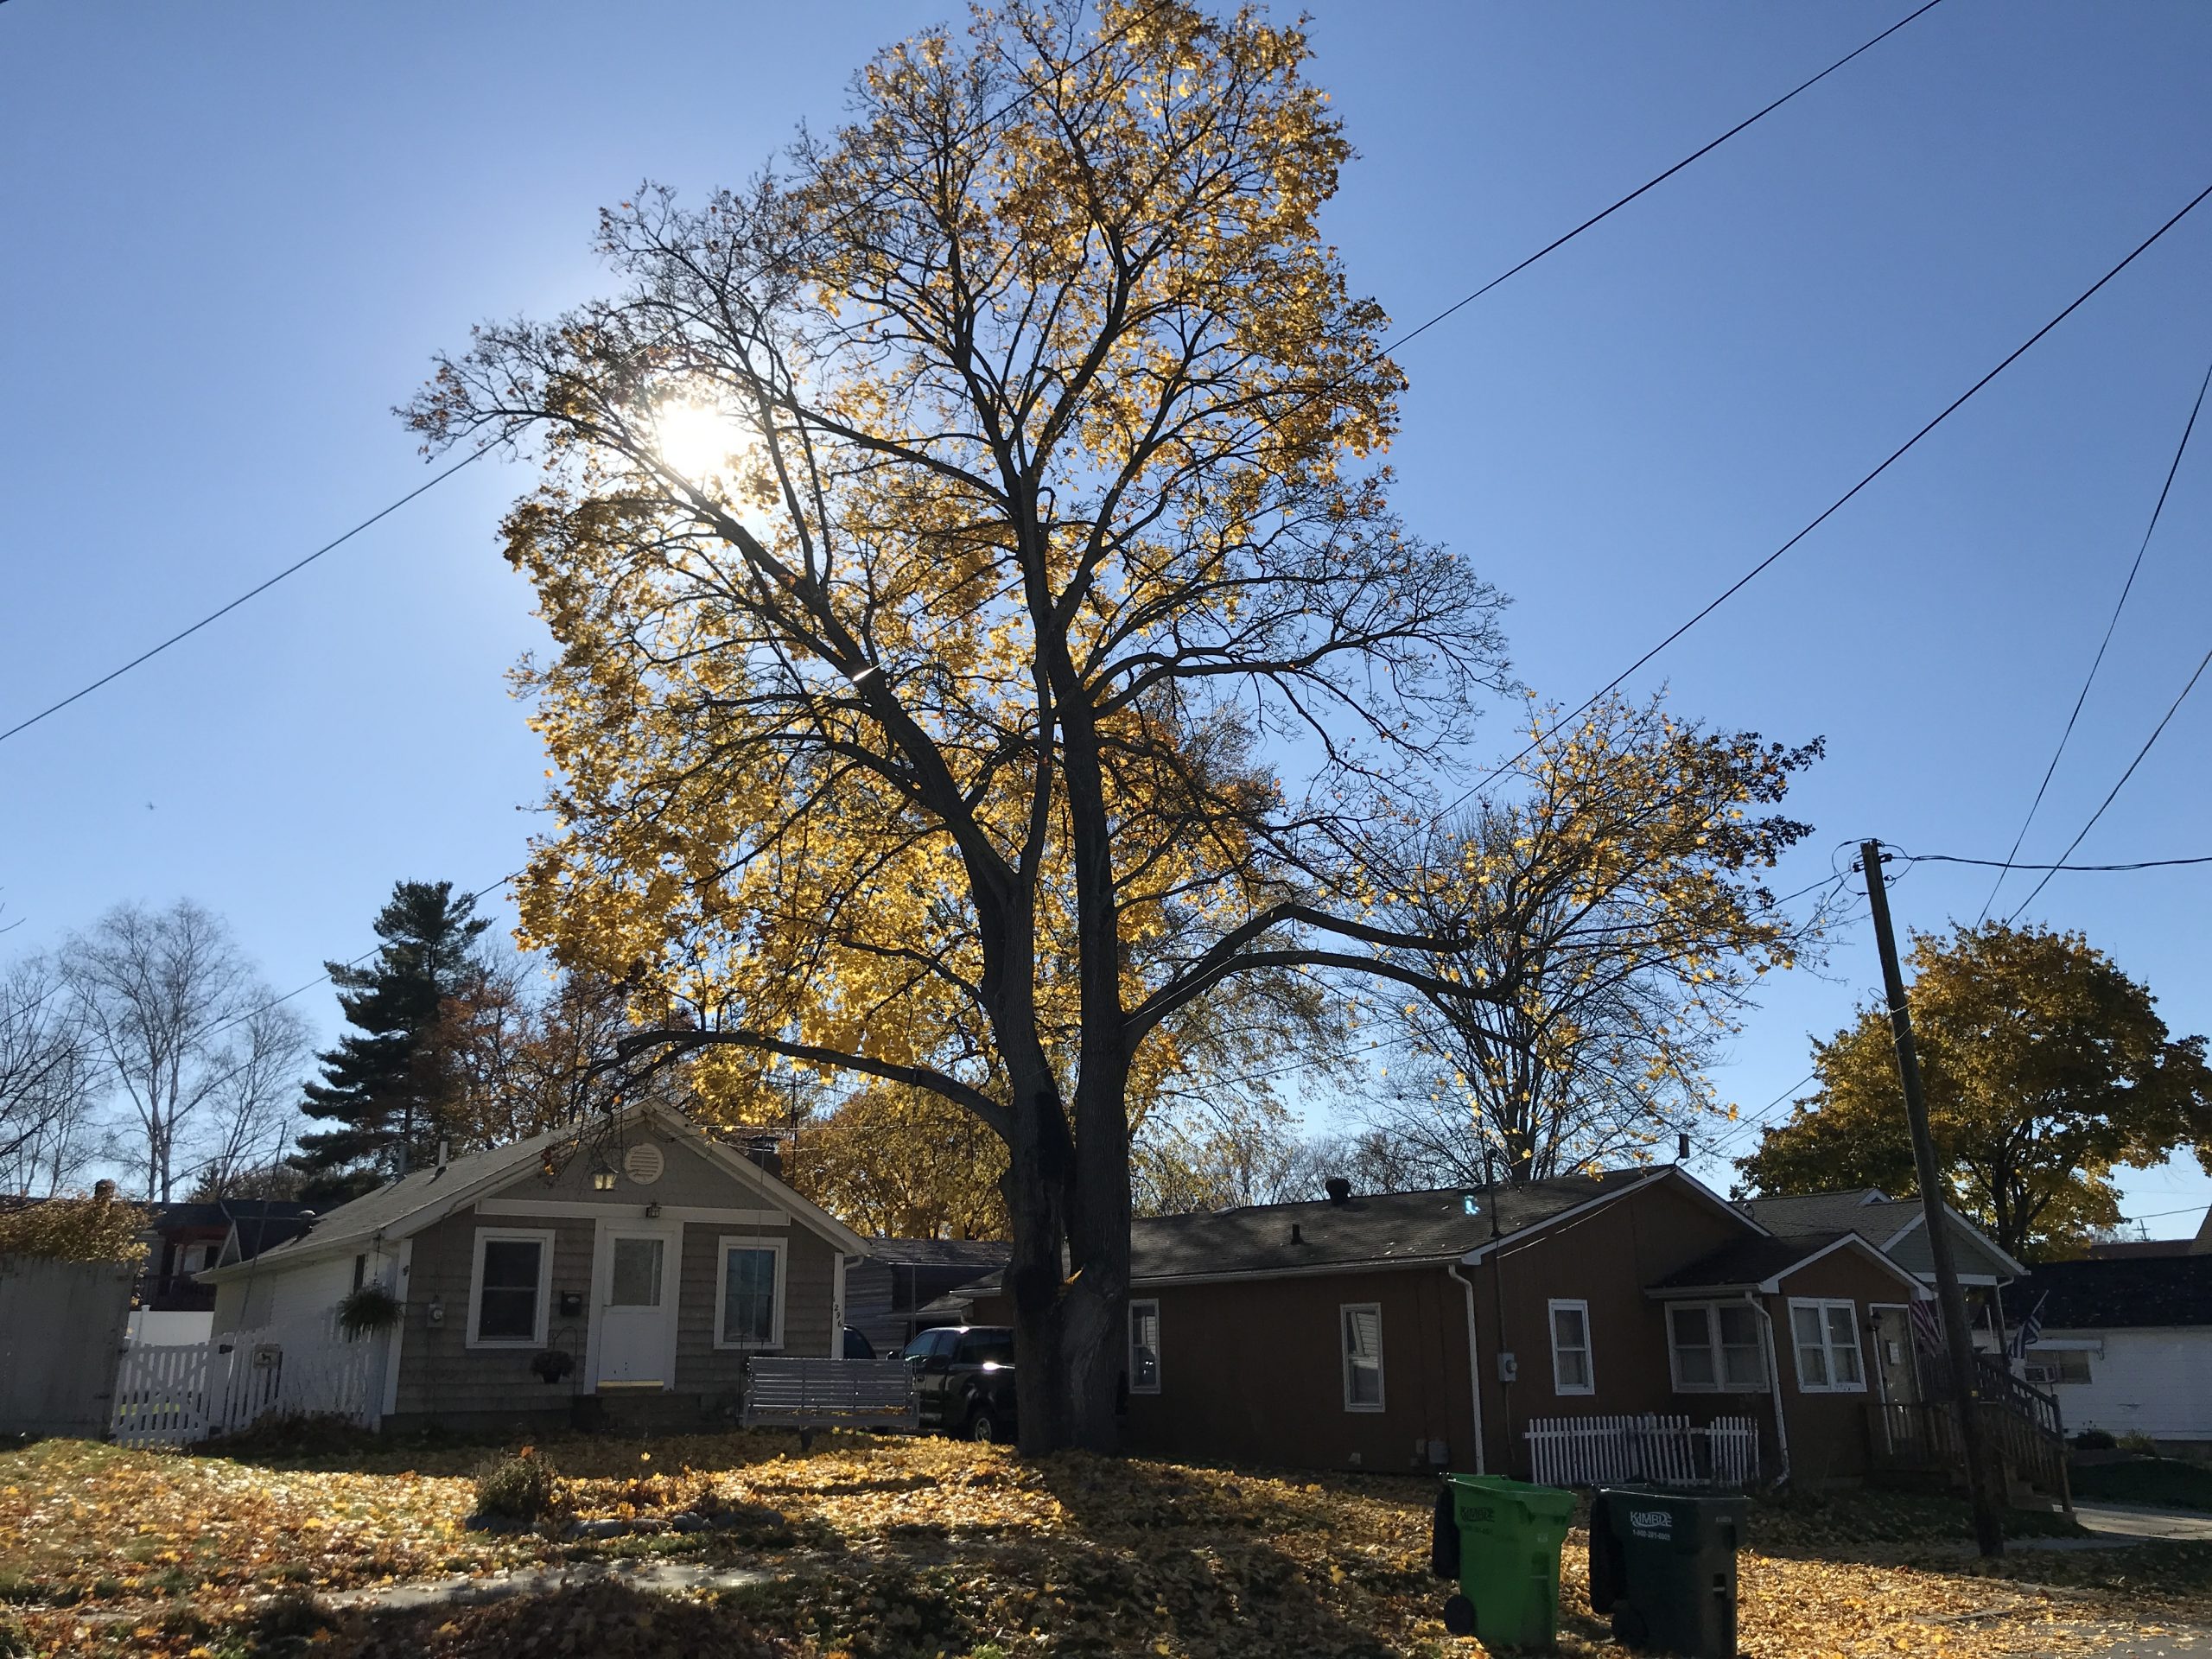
(637, 1259)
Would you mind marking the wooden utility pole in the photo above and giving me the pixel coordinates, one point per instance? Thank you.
(1958, 1338)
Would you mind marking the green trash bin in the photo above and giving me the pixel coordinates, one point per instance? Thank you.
(1500, 1538)
(1663, 1563)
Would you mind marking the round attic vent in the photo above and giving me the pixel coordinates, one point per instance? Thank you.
(643, 1163)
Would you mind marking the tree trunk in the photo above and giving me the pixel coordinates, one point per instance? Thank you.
(1095, 1311)
(1040, 1168)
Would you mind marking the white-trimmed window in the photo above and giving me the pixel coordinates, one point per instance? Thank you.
(1360, 1328)
(2048, 1367)
(1571, 1370)
(1826, 1336)
(748, 1293)
(1714, 1347)
(1144, 1347)
(509, 1285)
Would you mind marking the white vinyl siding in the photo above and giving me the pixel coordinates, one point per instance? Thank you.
(1714, 1347)
(1144, 1347)
(2048, 1367)
(1571, 1367)
(1825, 1335)
(510, 1283)
(1360, 1330)
(749, 1293)
(2146, 1380)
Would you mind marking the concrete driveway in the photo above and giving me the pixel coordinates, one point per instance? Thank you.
(2137, 1521)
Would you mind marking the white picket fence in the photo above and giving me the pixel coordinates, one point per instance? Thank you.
(1668, 1450)
(175, 1394)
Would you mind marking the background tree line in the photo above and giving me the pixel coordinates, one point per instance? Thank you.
(148, 1046)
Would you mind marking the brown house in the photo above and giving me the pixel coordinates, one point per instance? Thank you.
(1507, 1333)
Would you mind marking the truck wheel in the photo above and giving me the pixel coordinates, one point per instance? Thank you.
(1459, 1616)
(982, 1426)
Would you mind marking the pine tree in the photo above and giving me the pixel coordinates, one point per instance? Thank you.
(385, 1089)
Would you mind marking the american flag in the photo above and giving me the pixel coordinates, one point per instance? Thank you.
(1927, 1334)
(2030, 1328)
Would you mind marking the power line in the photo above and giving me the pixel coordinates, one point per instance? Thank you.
(1757, 1120)
(439, 478)
(2172, 709)
(2159, 1214)
(1550, 247)
(431, 483)
(2008, 864)
(323, 978)
(1829, 512)
(1658, 179)
(2125, 588)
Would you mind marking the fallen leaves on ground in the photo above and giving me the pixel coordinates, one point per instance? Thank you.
(894, 1548)
(603, 1621)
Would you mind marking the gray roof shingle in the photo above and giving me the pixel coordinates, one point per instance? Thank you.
(1867, 1211)
(977, 1255)
(373, 1212)
(1746, 1261)
(1381, 1228)
(2130, 1292)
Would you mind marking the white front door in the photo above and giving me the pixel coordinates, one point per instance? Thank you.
(634, 1316)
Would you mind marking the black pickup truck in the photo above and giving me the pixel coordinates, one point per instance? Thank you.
(964, 1380)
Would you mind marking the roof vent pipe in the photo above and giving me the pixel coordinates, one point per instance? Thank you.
(1296, 1236)
(1339, 1189)
(444, 1148)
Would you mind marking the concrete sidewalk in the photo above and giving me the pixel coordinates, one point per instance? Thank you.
(2138, 1522)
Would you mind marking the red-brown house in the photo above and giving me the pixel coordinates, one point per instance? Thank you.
(1506, 1334)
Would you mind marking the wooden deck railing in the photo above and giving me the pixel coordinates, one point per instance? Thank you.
(1924, 1438)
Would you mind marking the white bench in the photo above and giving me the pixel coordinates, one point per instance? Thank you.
(810, 1393)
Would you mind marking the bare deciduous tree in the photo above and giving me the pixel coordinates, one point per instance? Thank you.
(1616, 900)
(46, 1135)
(183, 1032)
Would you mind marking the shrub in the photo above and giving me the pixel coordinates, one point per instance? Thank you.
(291, 1622)
(521, 1487)
(2093, 1440)
(75, 1229)
(2136, 1440)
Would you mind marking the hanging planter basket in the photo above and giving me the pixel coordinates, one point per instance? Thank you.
(368, 1310)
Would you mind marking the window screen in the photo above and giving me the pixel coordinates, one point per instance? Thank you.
(635, 1279)
(1689, 1330)
(748, 1295)
(1825, 1337)
(1363, 1340)
(1743, 1365)
(506, 1307)
(1144, 1347)
(1571, 1347)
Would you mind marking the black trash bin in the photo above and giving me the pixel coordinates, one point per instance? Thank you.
(1663, 1563)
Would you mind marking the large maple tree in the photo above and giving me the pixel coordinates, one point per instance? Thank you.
(983, 631)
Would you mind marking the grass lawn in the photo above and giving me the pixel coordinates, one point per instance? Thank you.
(890, 1547)
(2168, 1482)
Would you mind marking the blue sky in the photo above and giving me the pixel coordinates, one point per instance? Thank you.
(239, 231)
